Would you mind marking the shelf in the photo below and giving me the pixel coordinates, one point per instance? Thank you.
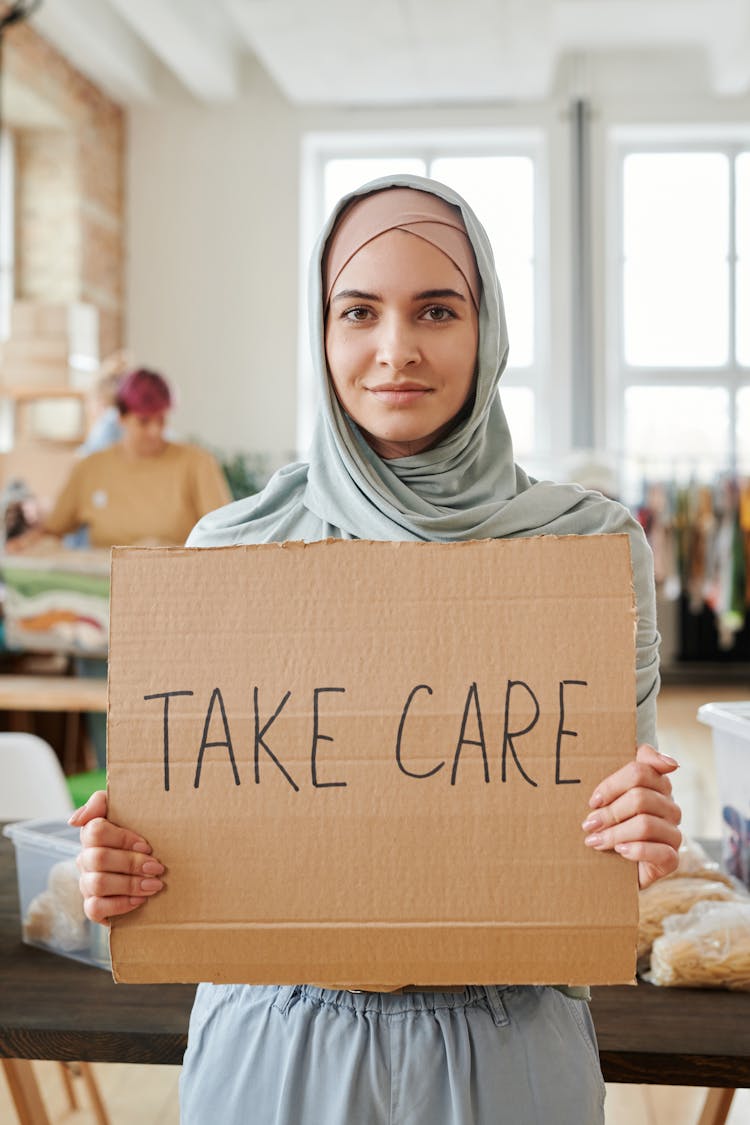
(708, 672)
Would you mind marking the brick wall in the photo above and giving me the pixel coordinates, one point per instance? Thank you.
(70, 189)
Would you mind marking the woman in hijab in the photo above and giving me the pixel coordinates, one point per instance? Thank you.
(409, 340)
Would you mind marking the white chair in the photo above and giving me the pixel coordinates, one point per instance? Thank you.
(32, 786)
(32, 782)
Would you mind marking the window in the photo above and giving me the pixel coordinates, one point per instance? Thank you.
(681, 404)
(6, 233)
(499, 175)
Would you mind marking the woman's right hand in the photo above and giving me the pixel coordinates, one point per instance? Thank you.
(118, 871)
(20, 543)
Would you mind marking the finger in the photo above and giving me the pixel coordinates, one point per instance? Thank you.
(95, 806)
(102, 833)
(640, 772)
(652, 757)
(102, 884)
(654, 860)
(633, 802)
(643, 828)
(113, 860)
(101, 909)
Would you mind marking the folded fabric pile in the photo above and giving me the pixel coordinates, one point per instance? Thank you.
(58, 603)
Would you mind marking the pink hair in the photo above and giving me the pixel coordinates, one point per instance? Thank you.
(143, 392)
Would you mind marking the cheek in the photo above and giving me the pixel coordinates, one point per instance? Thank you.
(459, 364)
(342, 358)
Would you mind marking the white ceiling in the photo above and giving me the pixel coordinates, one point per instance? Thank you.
(382, 52)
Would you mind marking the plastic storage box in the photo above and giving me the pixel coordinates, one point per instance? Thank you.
(731, 738)
(50, 901)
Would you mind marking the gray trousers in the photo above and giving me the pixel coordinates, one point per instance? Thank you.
(308, 1056)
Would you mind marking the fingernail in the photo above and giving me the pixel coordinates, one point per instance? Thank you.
(591, 822)
(151, 884)
(596, 800)
(141, 846)
(672, 761)
(594, 841)
(152, 867)
(622, 849)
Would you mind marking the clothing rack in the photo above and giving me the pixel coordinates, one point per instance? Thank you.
(700, 536)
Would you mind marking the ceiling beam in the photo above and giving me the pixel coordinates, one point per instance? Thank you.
(721, 27)
(99, 44)
(624, 24)
(190, 40)
(729, 49)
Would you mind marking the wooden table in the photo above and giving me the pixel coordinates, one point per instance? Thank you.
(52, 693)
(55, 1008)
(21, 696)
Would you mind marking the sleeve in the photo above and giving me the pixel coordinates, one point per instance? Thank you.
(66, 515)
(647, 636)
(210, 489)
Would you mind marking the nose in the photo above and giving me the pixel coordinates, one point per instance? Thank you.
(398, 347)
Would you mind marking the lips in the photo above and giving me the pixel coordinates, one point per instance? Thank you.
(399, 394)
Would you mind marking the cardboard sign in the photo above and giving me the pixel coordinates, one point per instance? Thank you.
(366, 764)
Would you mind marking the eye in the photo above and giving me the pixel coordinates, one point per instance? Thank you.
(438, 313)
(357, 314)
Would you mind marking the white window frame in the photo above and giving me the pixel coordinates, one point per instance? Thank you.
(7, 213)
(729, 141)
(428, 144)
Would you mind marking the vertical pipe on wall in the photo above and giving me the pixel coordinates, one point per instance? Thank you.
(582, 380)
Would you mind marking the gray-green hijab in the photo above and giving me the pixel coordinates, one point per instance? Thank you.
(467, 487)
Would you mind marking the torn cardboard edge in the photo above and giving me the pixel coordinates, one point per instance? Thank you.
(439, 608)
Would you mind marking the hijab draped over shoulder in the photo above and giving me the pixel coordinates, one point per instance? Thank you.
(466, 487)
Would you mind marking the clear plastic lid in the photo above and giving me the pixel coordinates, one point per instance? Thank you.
(733, 718)
(48, 835)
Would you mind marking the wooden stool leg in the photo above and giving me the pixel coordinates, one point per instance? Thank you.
(97, 1104)
(24, 1092)
(717, 1106)
(70, 1090)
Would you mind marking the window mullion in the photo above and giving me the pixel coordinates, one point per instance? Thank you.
(733, 263)
(733, 260)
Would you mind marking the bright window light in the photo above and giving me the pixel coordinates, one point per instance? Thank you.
(677, 432)
(500, 190)
(343, 176)
(743, 260)
(518, 404)
(676, 269)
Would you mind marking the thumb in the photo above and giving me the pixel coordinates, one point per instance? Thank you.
(95, 806)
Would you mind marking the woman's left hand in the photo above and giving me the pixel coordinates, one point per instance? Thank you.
(634, 814)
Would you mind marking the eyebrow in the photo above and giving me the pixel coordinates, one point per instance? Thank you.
(427, 294)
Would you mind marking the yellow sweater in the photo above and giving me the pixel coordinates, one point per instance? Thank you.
(148, 500)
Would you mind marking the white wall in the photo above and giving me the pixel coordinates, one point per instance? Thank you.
(214, 225)
(212, 262)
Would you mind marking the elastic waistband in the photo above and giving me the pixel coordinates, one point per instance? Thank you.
(397, 1003)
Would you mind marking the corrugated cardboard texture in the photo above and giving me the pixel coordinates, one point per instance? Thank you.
(411, 815)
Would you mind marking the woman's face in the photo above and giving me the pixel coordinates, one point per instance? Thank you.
(143, 434)
(401, 343)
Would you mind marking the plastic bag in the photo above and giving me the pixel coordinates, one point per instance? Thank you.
(709, 947)
(672, 896)
(695, 863)
(56, 916)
